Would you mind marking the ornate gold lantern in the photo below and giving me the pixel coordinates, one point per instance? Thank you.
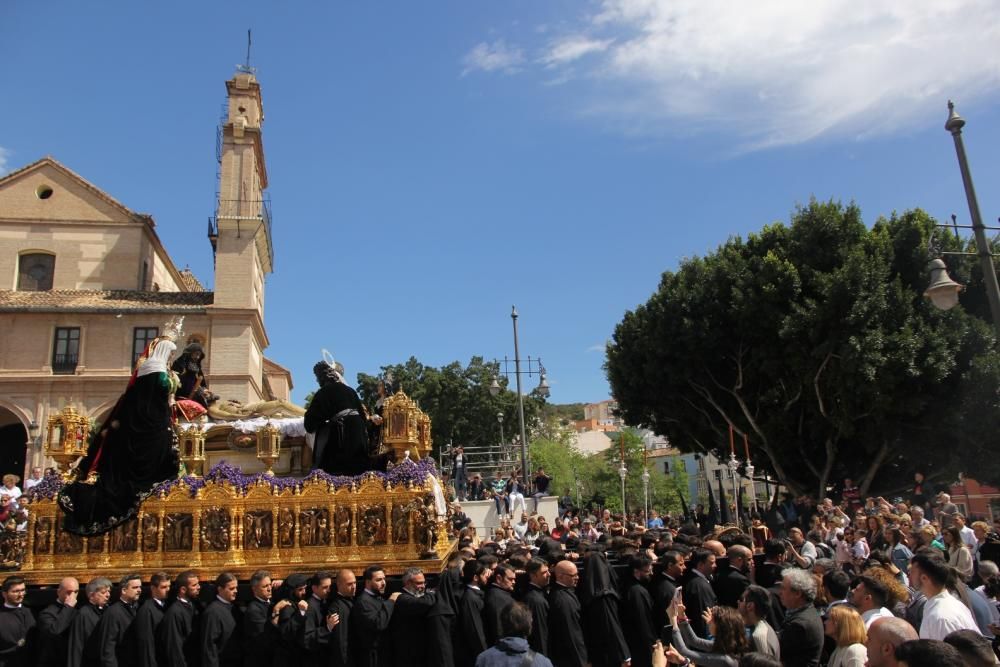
(67, 437)
(405, 427)
(191, 442)
(269, 445)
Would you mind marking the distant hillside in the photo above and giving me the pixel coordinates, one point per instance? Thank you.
(564, 412)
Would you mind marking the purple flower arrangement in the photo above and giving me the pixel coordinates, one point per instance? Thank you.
(402, 475)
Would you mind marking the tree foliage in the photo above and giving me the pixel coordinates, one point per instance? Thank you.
(814, 340)
(458, 400)
(595, 476)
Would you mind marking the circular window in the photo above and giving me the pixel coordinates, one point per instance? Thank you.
(43, 192)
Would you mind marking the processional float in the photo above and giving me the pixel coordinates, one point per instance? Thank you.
(224, 519)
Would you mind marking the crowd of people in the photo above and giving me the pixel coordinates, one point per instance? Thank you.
(591, 590)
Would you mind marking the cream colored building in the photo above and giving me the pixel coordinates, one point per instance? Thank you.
(85, 282)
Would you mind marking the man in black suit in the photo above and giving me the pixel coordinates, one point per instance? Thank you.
(258, 632)
(535, 599)
(54, 622)
(663, 589)
(770, 572)
(341, 605)
(148, 619)
(219, 640)
(115, 634)
(698, 594)
(288, 619)
(499, 596)
(731, 581)
(408, 625)
(370, 619)
(17, 625)
(470, 635)
(82, 647)
(566, 644)
(636, 612)
(801, 635)
(316, 624)
(176, 636)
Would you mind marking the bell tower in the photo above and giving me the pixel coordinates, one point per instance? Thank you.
(240, 233)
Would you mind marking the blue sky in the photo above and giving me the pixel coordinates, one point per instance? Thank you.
(433, 163)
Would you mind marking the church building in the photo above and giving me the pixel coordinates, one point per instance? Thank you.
(88, 284)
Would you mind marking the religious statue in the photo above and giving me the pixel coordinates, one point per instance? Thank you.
(340, 422)
(123, 536)
(343, 525)
(286, 527)
(229, 410)
(400, 524)
(43, 529)
(177, 532)
(150, 530)
(215, 530)
(257, 533)
(193, 385)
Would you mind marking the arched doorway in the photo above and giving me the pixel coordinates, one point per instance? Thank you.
(13, 444)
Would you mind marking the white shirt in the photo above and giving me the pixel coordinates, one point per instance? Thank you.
(30, 482)
(869, 616)
(943, 614)
(969, 537)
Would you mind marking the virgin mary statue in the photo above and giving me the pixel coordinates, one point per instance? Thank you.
(134, 450)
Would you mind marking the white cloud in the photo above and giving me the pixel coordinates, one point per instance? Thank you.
(599, 347)
(493, 57)
(773, 72)
(571, 48)
(4, 156)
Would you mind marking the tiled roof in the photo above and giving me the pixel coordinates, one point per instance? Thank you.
(191, 282)
(103, 301)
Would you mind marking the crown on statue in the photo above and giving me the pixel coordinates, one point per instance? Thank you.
(174, 328)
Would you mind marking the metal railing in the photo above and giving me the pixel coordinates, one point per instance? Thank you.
(249, 210)
(64, 364)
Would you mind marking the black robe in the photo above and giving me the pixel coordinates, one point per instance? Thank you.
(536, 601)
(441, 620)
(729, 584)
(339, 653)
(698, 597)
(147, 619)
(408, 629)
(662, 591)
(136, 454)
(53, 634)
(637, 623)
(288, 651)
(115, 635)
(258, 634)
(17, 636)
(497, 599)
(220, 643)
(602, 629)
(341, 446)
(470, 635)
(315, 635)
(82, 647)
(566, 644)
(177, 642)
(369, 622)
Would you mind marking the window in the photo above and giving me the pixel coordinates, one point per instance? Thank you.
(66, 352)
(141, 337)
(144, 277)
(666, 467)
(34, 272)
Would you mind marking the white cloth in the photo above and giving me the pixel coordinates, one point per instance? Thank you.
(13, 492)
(158, 358)
(969, 537)
(765, 640)
(943, 614)
(29, 483)
(855, 655)
(516, 499)
(869, 616)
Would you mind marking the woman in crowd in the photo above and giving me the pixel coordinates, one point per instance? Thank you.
(844, 625)
(899, 553)
(959, 557)
(533, 532)
(875, 529)
(10, 486)
(724, 624)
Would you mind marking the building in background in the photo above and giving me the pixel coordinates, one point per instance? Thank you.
(88, 284)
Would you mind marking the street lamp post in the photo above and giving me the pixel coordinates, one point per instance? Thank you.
(943, 292)
(734, 467)
(645, 498)
(623, 473)
(753, 486)
(543, 391)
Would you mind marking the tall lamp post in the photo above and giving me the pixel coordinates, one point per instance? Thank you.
(543, 391)
(645, 497)
(943, 291)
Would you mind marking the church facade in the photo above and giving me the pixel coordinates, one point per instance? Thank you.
(85, 283)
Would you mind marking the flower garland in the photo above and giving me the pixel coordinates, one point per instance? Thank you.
(404, 474)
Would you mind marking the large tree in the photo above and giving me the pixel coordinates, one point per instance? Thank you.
(814, 340)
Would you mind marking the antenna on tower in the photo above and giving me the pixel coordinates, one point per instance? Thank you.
(246, 66)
